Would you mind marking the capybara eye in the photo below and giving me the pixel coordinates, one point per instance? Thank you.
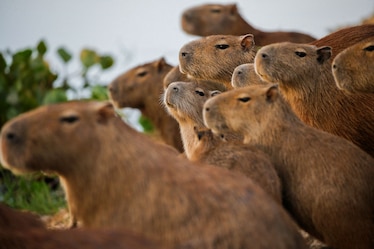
(69, 119)
(370, 48)
(214, 93)
(244, 99)
(215, 10)
(199, 92)
(222, 46)
(300, 54)
(142, 74)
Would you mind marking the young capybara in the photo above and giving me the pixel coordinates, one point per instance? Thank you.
(326, 180)
(140, 87)
(353, 68)
(245, 75)
(305, 79)
(344, 38)
(184, 101)
(221, 19)
(215, 57)
(21, 230)
(116, 177)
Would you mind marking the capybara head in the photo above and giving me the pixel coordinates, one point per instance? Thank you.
(224, 113)
(353, 68)
(245, 75)
(291, 63)
(210, 19)
(29, 141)
(185, 100)
(130, 88)
(215, 57)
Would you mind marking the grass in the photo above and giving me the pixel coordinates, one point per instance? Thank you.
(31, 193)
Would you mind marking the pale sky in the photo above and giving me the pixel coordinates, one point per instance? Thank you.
(136, 32)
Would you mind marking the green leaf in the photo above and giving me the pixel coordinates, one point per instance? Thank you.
(146, 124)
(42, 48)
(2, 63)
(64, 54)
(106, 61)
(88, 57)
(22, 56)
(55, 96)
(99, 92)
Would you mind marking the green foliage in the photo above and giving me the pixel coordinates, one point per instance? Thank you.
(146, 124)
(26, 82)
(30, 194)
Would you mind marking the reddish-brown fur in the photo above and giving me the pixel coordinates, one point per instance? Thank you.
(344, 38)
(304, 75)
(245, 75)
(184, 101)
(216, 19)
(21, 230)
(214, 58)
(117, 177)
(140, 87)
(353, 68)
(327, 180)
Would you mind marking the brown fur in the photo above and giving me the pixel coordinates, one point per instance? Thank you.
(184, 101)
(236, 156)
(21, 230)
(304, 75)
(141, 87)
(214, 58)
(220, 19)
(353, 68)
(245, 75)
(117, 177)
(327, 180)
(344, 38)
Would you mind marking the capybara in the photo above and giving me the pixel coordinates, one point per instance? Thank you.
(305, 79)
(245, 75)
(116, 177)
(353, 68)
(221, 19)
(345, 37)
(215, 57)
(140, 87)
(21, 230)
(184, 101)
(326, 180)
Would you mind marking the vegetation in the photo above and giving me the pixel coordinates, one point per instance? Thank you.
(26, 82)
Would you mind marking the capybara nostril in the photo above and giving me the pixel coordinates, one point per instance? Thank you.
(207, 109)
(10, 136)
(334, 66)
(263, 55)
(188, 16)
(175, 89)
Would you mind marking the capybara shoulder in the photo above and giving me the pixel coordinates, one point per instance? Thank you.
(353, 68)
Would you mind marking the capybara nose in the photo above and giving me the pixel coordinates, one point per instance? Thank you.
(207, 109)
(111, 88)
(334, 66)
(188, 16)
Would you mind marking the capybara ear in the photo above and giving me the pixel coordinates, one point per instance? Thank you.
(160, 64)
(247, 41)
(105, 111)
(324, 53)
(233, 9)
(272, 93)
